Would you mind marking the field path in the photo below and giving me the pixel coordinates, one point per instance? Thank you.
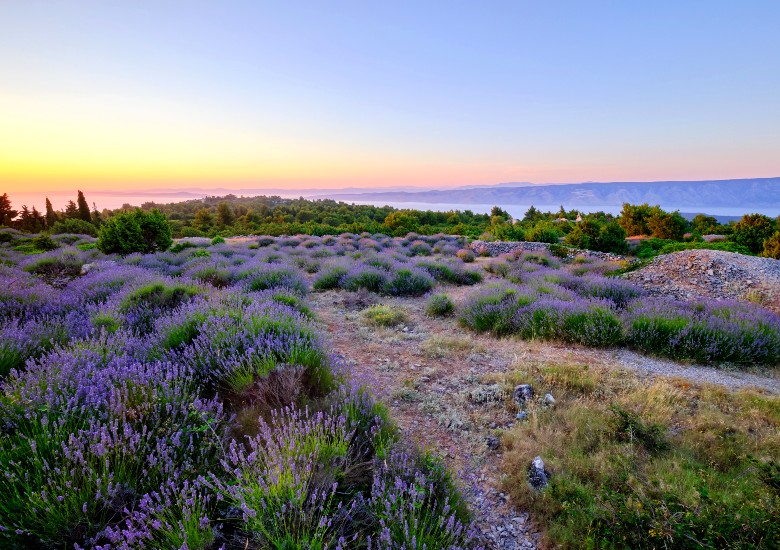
(442, 385)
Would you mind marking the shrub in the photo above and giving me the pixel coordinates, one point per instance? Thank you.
(44, 243)
(329, 278)
(408, 282)
(466, 255)
(772, 246)
(439, 305)
(543, 232)
(493, 309)
(54, 268)
(752, 230)
(363, 277)
(559, 251)
(182, 245)
(191, 232)
(135, 231)
(276, 278)
(385, 316)
(75, 226)
(217, 240)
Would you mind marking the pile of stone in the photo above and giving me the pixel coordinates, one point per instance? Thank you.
(713, 274)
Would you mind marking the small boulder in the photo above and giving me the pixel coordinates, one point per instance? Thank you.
(493, 443)
(522, 415)
(549, 399)
(538, 477)
(522, 394)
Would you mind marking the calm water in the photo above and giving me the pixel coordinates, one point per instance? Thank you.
(111, 200)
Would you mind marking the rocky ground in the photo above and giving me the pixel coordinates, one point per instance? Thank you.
(443, 384)
(712, 274)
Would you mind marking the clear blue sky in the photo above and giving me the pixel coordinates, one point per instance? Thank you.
(366, 93)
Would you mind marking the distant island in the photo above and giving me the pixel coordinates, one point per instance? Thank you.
(744, 194)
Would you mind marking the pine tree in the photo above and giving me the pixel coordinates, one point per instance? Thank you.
(6, 214)
(25, 219)
(96, 218)
(84, 212)
(38, 221)
(51, 215)
(71, 210)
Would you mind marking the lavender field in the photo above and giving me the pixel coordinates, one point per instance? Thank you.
(189, 398)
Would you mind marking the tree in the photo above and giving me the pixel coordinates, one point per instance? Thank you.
(772, 246)
(533, 215)
(203, 220)
(592, 234)
(665, 225)
(6, 213)
(71, 210)
(51, 215)
(225, 214)
(703, 224)
(543, 232)
(752, 230)
(97, 219)
(84, 212)
(611, 238)
(402, 222)
(135, 231)
(633, 219)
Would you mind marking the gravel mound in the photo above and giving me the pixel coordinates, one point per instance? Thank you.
(714, 274)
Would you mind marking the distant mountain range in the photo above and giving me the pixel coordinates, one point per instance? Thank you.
(739, 193)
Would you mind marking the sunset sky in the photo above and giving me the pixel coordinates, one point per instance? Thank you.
(153, 94)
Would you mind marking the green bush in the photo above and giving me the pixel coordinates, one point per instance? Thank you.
(772, 246)
(385, 316)
(44, 242)
(439, 305)
(135, 231)
(178, 247)
(217, 240)
(330, 278)
(75, 226)
(406, 282)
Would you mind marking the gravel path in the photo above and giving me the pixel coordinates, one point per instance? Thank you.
(733, 379)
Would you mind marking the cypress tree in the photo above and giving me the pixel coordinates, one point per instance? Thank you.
(6, 213)
(84, 212)
(51, 215)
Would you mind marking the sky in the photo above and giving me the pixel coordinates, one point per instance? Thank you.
(162, 94)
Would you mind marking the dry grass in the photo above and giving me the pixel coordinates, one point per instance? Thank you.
(645, 464)
(440, 346)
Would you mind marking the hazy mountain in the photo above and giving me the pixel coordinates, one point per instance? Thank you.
(741, 193)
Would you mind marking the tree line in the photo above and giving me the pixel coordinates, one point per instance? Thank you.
(272, 215)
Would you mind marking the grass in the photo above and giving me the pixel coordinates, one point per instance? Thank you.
(638, 464)
(383, 315)
(438, 347)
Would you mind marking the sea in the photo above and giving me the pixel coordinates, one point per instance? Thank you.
(117, 199)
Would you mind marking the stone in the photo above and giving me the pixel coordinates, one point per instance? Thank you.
(522, 394)
(549, 399)
(522, 415)
(538, 477)
(493, 443)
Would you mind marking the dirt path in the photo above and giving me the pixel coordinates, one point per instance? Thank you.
(440, 384)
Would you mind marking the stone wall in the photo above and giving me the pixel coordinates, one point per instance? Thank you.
(496, 248)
